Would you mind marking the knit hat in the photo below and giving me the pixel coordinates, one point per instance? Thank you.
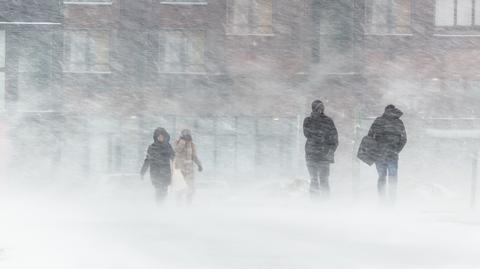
(186, 132)
(318, 106)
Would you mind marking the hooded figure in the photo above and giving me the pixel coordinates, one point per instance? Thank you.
(389, 132)
(390, 135)
(185, 157)
(159, 156)
(322, 142)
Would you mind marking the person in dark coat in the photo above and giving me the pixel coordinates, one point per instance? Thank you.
(389, 132)
(322, 141)
(159, 157)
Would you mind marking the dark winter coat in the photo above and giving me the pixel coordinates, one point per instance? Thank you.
(389, 132)
(159, 155)
(322, 138)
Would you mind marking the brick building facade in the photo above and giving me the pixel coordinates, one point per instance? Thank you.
(90, 80)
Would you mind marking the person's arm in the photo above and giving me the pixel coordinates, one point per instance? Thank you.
(374, 129)
(307, 128)
(195, 158)
(172, 152)
(145, 166)
(403, 137)
(333, 136)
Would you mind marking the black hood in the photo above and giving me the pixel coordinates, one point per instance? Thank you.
(318, 109)
(161, 131)
(392, 112)
(318, 106)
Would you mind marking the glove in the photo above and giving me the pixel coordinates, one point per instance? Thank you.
(200, 168)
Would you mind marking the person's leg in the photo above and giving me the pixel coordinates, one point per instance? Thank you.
(314, 173)
(160, 194)
(189, 180)
(382, 178)
(392, 180)
(324, 174)
(179, 197)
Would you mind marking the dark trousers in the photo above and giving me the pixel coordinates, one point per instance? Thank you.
(319, 173)
(387, 168)
(161, 193)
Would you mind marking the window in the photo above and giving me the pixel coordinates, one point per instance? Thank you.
(87, 51)
(333, 47)
(225, 145)
(388, 16)
(274, 139)
(2, 70)
(204, 137)
(181, 51)
(233, 147)
(457, 12)
(246, 145)
(35, 58)
(30, 11)
(35, 52)
(249, 17)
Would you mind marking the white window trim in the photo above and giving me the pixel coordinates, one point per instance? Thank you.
(186, 3)
(191, 73)
(87, 72)
(183, 73)
(391, 34)
(233, 34)
(28, 23)
(456, 35)
(88, 3)
(340, 73)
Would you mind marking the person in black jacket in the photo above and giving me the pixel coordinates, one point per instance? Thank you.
(389, 132)
(159, 157)
(322, 141)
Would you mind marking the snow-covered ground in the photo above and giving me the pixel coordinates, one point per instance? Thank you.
(122, 228)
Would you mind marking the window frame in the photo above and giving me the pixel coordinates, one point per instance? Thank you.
(460, 28)
(391, 25)
(185, 60)
(34, 61)
(89, 61)
(230, 25)
(324, 36)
